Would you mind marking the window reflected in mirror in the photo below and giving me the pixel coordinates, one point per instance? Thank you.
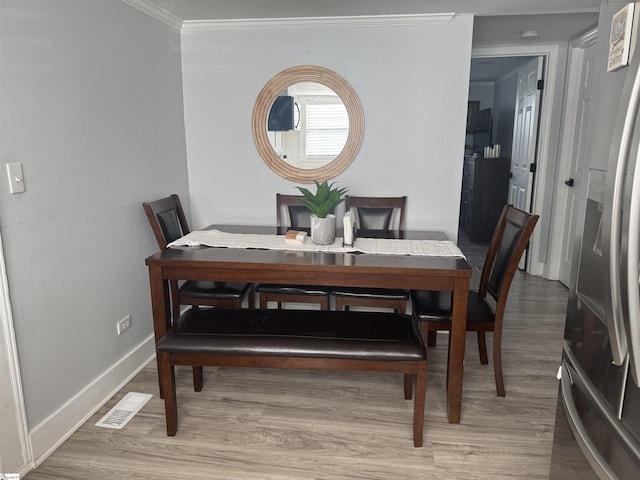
(308, 125)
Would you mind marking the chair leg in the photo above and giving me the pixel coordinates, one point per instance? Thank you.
(197, 378)
(339, 303)
(168, 381)
(482, 348)
(263, 301)
(408, 385)
(324, 303)
(252, 298)
(175, 301)
(419, 404)
(497, 363)
(448, 357)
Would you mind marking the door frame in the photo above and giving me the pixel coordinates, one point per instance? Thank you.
(569, 120)
(16, 454)
(547, 146)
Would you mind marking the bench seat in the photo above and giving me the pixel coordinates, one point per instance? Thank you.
(309, 339)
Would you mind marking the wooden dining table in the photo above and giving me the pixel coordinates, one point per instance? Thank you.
(321, 268)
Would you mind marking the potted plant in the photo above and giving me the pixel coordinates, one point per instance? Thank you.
(322, 204)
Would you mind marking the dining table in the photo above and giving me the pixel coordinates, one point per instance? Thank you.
(328, 268)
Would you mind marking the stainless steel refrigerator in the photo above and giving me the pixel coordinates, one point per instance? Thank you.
(597, 431)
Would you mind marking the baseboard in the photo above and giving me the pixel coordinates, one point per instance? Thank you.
(47, 436)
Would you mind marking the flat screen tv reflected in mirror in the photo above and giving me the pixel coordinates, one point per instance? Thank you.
(281, 114)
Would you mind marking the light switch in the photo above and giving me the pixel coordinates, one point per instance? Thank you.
(16, 179)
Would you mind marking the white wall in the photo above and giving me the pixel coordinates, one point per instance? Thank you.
(91, 106)
(482, 92)
(412, 82)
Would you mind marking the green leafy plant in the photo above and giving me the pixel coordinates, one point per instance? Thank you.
(326, 198)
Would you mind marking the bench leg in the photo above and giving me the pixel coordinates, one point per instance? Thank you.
(168, 382)
(419, 404)
(408, 385)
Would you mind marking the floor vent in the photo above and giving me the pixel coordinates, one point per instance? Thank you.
(124, 410)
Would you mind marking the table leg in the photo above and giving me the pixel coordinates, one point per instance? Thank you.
(160, 307)
(456, 349)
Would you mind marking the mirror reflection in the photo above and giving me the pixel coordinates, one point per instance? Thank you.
(308, 125)
(308, 143)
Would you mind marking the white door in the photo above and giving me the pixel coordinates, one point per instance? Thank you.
(579, 90)
(525, 130)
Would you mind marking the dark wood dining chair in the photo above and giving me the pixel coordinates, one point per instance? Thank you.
(169, 223)
(374, 213)
(378, 213)
(296, 216)
(432, 309)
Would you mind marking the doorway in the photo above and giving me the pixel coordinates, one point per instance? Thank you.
(502, 129)
(539, 255)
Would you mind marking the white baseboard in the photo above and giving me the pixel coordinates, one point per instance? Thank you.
(47, 436)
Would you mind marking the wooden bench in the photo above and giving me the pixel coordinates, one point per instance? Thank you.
(306, 339)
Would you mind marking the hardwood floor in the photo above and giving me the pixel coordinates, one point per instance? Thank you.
(310, 425)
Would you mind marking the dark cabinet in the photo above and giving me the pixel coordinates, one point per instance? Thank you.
(485, 187)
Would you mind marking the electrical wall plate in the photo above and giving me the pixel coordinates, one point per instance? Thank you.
(16, 179)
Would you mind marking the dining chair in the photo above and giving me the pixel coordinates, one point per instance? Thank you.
(432, 309)
(297, 216)
(374, 213)
(169, 223)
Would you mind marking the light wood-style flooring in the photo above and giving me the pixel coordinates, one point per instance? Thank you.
(251, 424)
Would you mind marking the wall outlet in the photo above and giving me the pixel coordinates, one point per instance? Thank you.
(123, 324)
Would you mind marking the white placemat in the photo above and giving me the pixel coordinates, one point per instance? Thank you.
(383, 246)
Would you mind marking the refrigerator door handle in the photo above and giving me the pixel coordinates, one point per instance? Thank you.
(633, 277)
(615, 322)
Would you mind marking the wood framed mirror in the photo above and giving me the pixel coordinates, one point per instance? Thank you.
(273, 133)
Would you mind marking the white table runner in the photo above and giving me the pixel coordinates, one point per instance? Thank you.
(384, 246)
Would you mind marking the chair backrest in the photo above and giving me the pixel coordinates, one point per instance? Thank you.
(297, 215)
(509, 242)
(167, 219)
(378, 213)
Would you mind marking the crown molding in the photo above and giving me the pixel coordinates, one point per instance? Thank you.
(156, 12)
(320, 22)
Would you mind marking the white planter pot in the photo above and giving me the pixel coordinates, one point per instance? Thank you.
(323, 230)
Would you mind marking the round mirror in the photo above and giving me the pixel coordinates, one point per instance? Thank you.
(308, 124)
